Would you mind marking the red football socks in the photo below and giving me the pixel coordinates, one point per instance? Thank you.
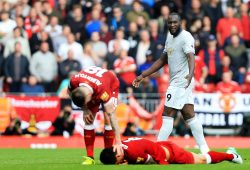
(89, 138)
(217, 157)
(109, 136)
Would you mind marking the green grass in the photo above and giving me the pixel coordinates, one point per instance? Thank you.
(70, 159)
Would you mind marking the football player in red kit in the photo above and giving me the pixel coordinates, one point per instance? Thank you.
(143, 151)
(88, 90)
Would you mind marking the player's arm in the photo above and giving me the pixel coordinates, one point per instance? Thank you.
(191, 65)
(150, 160)
(155, 67)
(110, 110)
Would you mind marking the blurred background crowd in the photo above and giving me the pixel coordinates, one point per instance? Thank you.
(44, 42)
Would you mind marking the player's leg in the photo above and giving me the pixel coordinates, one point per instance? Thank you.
(195, 126)
(108, 134)
(167, 123)
(215, 157)
(89, 139)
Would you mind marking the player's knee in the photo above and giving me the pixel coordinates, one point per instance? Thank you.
(170, 112)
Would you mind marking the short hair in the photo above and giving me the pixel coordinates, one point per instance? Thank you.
(108, 156)
(175, 13)
(77, 97)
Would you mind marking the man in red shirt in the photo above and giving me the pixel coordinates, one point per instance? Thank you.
(225, 24)
(200, 73)
(143, 151)
(227, 85)
(88, 90)
(125, 68)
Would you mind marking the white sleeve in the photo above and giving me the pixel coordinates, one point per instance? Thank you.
(166, 45)
(188, 46)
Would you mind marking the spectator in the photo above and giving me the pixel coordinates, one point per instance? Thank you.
(148, 63)
(77, 24)
(89, 57)
(62, 90)
(53, 28)
(14, 128)
(143, 45)
(6, 26)
(49, 11)
(233, 32)
(133, 38)
(17, 37)
(125, 68)
(137, 11)
(226, 64)
(61, 38)
(119, 38)
(25, 8)
(245, 22)
(99, 48)
(227, 85)
(68, 65)
(225, 24)
(195, 12)
(162, 19)
(62, 8)
(64, 123)
(16, 69)
(38, 38)
(157, 38)
(200, 73)
(213, 10)
(32, 23)
(105, 34)
(212, 57)
(20, 24)
(32, 88)
(132, 130)
(124, 7)
(118, 21)
(43, 66)
(71, 44)
(245, 87)
(111, 57)
(238, 56)
(94, 25)
(204, 32)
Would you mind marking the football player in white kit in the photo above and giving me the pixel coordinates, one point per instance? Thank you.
(179, 55)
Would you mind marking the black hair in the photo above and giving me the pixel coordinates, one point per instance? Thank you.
(108, 156)
(175, 13)
(78, 98)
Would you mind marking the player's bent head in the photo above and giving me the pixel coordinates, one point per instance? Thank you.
(108, 156)
(78, 97)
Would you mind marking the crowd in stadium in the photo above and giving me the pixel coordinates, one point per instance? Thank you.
(44, 42)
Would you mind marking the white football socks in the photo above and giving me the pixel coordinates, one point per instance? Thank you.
(198, 134)
(166, 128)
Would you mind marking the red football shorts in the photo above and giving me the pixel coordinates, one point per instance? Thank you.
(177, 154)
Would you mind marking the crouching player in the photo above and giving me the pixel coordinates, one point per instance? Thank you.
(88, 90)
(142, 151)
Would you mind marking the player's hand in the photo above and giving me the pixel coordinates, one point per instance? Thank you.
(88, 117)
(137, 81)
(189, 79)
(118, 149)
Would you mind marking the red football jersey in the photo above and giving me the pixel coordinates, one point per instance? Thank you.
(138, 151)
(103, 83)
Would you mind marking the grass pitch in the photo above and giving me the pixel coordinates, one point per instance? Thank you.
(70, 159)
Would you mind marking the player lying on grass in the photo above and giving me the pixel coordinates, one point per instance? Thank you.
(143, 151)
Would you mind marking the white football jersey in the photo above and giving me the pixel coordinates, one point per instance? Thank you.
(177, 48)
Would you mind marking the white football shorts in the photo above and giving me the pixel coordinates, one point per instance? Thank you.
(177, 97)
